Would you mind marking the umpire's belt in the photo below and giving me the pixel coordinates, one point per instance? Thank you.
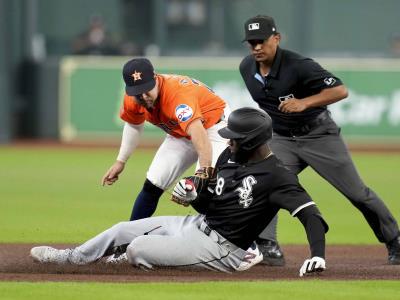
(305, 128)
(216, 237)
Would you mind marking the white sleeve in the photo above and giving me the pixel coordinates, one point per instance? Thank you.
(130, 140)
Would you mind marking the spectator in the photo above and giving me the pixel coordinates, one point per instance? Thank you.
(95, 40)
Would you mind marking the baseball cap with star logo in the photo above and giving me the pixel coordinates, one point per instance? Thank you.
(139, 76)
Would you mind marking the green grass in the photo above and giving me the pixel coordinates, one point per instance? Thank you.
(54, 195)
(381, 172)
(310, 289)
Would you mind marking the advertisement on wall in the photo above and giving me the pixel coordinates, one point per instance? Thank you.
(91, 92)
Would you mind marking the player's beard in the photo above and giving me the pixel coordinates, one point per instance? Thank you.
(241, 156)
(148, 105)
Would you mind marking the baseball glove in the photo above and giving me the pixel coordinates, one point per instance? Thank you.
(187, 189)
(201, 178)
(184, 192)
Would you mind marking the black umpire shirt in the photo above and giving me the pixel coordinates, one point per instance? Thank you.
(247, 196)
(291, 76)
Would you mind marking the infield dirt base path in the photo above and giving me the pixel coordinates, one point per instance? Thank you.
(343, 262)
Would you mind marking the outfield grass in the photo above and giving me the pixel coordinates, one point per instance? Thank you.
(54, 195)
(310, 289)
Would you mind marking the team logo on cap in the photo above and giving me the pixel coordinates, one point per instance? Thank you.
(136, 76)
(254, 26)
(183, 112)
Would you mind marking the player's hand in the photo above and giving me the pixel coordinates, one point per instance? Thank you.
(292, 105)
(315, 264)
(201, 178)
(184, 192)
(111, 175)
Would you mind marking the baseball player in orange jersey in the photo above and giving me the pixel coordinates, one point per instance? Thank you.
(187, 110)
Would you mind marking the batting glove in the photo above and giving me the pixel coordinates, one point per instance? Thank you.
(184, 192)
(315, 264)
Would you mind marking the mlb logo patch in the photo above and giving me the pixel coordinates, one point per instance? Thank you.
(329, 80)
(183, 112)
(254, 26)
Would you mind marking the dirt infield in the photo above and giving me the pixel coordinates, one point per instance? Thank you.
(343, 262)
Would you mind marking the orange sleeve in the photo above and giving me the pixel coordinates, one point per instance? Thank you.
(131, 112)
(186, 109)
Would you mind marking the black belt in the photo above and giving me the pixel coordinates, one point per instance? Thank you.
(217, 237)
(305, 128)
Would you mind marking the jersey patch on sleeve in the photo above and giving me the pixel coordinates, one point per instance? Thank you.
(329, 81)
(183, 112)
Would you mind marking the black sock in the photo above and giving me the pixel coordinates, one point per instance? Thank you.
(146, 202)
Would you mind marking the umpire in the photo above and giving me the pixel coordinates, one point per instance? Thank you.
(295, 91)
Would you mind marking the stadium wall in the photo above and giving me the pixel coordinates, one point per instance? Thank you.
(91, 92)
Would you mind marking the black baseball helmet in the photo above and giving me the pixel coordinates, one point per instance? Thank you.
(251, 127)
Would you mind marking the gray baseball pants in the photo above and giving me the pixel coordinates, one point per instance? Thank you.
(323, 150)
(173, 241)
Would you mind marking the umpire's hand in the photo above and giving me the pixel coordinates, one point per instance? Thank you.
(292, 105)
(111, 175)
(315, 264)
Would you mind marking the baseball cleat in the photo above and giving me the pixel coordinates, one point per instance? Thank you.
(253, 257)
(117, 259)
(46, 254)
(272, 253)
(394, 251)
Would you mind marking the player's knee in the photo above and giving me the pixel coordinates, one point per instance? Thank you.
(361, 196)
(150, 188)
(136, 251)
(118, 229)
(120, 226)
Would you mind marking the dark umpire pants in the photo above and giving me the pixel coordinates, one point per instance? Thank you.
(323, 149)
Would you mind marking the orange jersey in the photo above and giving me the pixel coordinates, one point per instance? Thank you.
(181, 100)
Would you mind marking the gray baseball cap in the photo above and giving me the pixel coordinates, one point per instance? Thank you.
(259, 28)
